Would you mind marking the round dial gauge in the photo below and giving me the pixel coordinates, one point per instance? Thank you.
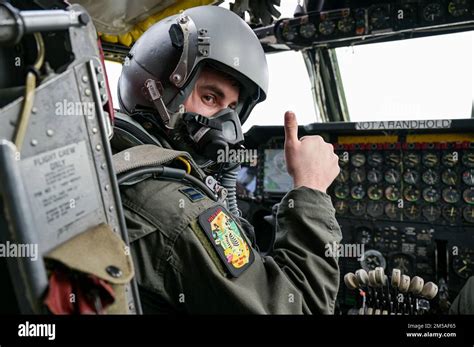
(343, 159)
(458, 8)
(375, 209)
(375, 193)
(430, 177)
(358, 160)
(411, 160)
(372, 259)
(346, 25)
(374, 176)
(343, 176)
(468, 214)
(412, 211)
(341, 207)
(468, 159)
(450, 159)
(431, 213)
(411, 193)
(451, 214)
(357, 192)
(363, 235)
(392, 193)
(449, 177)
(430, 194)
(411, 176)
(375, 159)
(392, 176)
(451, 195)
(341, 191)
(307, 30)
(432, 12)
(468, 196)
(392, 211)
(358, 175)
(393, 159)
(358, 208)
(430, 159)
(463, 265)
(327, 27)
(289, 33)
(468, 177)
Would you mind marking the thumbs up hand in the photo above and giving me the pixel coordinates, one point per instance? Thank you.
(310, 160)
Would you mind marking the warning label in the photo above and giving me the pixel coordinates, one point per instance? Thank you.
(59, 184)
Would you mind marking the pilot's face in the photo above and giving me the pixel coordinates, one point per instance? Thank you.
(212, 92)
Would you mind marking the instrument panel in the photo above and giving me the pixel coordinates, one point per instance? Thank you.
(362, 19)
(405, 195)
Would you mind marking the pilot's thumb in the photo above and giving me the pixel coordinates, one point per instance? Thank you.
(291, 127)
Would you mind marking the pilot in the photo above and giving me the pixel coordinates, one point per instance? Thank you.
(190, 81)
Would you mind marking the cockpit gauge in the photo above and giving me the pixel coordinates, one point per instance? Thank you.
(468, 214)
(358, 160)
(341, 207)
(375, 159)
(431, 195)
(374, 176)
(307, 30)
(393, 159)
(357, 192)
(458, 8)
(392, 193)
(450, 159)
(468, 177)
(411, 194)
(379, 17)
(451, 214)
(468, 159)
(346, 25)
(375, 209)
(451, 195)
(343, 176)
(431, 212)
(430, 159)
(430, 177)
(358, 208)
(432, 12)
(289, 33)
(358, 175)
(463, 264)
(341, 191)
(411, 211)
(343, 159)
(372, 259)
(392, 211)
(449, 177)
(375, 192)
(411, 176)
(327, 27)
(411, 160)
(392, 176)
(468, 196)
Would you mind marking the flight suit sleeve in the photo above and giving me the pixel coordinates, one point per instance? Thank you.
(297, 279)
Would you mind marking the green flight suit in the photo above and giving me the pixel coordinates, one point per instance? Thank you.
(179, 270)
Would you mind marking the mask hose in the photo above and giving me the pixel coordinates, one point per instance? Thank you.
(229, 181)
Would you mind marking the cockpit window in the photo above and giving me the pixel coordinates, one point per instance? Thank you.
(423, 78)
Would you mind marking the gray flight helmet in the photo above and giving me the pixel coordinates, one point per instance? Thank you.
(174, 50)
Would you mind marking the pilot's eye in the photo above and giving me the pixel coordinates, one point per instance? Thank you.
(209, 100)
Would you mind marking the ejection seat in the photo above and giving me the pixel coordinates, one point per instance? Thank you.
(58, 190)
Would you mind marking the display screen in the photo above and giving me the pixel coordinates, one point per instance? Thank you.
(276, 178)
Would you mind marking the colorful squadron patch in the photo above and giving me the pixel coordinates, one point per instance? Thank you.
(228, 239)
